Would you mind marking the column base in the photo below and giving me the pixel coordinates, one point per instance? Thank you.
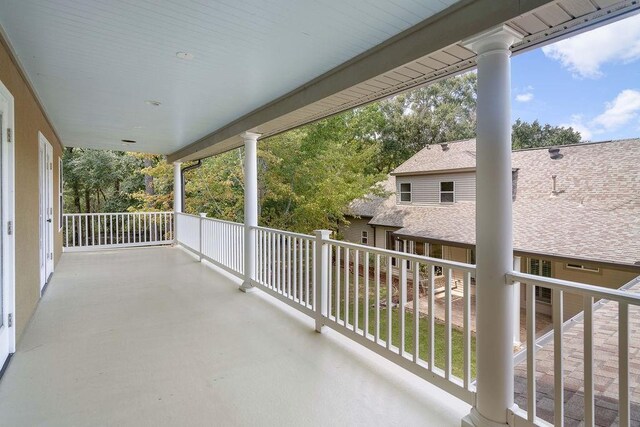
(474, 419)
(247, 287)
(320, 327)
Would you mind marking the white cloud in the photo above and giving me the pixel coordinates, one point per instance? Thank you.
(624, 108)
(621, 111)
(578, 125)
(585, 53)
(524, 97)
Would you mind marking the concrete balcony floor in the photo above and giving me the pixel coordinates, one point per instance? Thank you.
(152, 337)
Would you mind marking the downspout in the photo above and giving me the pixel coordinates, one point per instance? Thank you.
(182, 178)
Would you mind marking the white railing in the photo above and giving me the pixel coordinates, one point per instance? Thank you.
(360, 292)
(217, 241)
(188, 231)
(91, 231)
(589, 294)
(350, 288)
(285, 267)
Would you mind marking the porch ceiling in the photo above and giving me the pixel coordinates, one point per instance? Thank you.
(259, 66)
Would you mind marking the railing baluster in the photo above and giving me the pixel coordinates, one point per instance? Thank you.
(624, 407)
(531, 352)
(589, 414)
(288, 266)
(356, 284)
(558, 372)
(466, 330)
(402, 296)
(389, 301)
(377, 301)
(338, 261)
(294, 268)
(447, 324)
(307, 273)
(430, 307)
(365, 308)
(416, 311)
(347, 269)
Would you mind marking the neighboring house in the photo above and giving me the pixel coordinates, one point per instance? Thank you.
(576, 211)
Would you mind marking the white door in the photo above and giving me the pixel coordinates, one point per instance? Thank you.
(7, 326)
(46, 210)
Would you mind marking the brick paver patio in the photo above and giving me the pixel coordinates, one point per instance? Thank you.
(605, 341)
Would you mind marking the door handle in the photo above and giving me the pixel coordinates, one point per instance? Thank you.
(49, 220)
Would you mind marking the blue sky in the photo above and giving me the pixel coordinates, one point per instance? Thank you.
(590, 81)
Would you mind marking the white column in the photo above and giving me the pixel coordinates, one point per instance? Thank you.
(177, 197)
(517, 261)
(250, 207)
(494, 234)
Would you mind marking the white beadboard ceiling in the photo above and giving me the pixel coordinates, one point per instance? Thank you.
(94, 63)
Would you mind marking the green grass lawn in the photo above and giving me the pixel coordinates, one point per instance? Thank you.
(457, 338)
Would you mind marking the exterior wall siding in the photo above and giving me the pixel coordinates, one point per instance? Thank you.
(29, 119)
(353, 232)
(425, 189)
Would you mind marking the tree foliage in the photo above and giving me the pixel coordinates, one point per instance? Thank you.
(532, 135)
(441, 112)
(103, 180)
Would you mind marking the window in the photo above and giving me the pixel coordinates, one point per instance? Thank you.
(541, 267)
(364, 238)
(447, 192)
(582, 267)
(405, 192)
(60, 196)
(472, 256)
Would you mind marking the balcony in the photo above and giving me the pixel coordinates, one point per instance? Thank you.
(162, 333)
(150, 336)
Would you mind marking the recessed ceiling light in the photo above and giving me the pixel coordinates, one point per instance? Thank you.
(153, 103)
(128, 141)
(184, 55)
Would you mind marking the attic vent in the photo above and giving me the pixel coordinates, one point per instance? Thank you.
(554, 153)
(444, 146)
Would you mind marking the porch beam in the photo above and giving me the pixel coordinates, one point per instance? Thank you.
(494, 229)
(250, 207)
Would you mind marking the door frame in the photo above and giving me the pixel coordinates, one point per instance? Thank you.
(7, 207)
(45, 195)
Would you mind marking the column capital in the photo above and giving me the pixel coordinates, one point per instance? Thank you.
(250, 136)
(496, 38)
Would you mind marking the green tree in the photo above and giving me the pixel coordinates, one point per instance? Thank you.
(532, 135)
(441, 112)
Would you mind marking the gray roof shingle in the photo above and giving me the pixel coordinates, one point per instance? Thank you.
(595, 213)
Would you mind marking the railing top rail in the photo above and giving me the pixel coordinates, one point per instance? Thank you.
(575, 288)
(470, 268)
(116, 213)
(286, 233)
(223, 221)
(189, 215)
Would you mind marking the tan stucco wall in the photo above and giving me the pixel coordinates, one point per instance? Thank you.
(606, 277)
(28, 121)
